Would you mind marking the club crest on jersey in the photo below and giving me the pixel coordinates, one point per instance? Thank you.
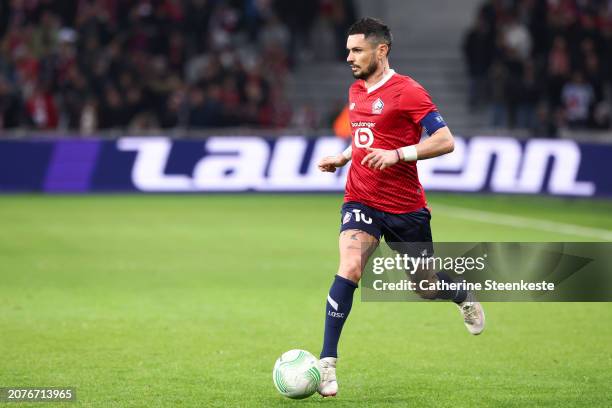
(352, 106)
(377, 106)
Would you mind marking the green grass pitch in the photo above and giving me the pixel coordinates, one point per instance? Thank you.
(147, 301)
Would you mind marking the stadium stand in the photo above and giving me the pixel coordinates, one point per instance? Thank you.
(142, 65)
(542, 65)
(532, 67)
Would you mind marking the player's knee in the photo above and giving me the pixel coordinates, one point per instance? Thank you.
(350, 269)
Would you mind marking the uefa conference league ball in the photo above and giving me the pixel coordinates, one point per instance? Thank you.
(296, 374)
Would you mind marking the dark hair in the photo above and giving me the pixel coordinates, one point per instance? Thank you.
(373, 29)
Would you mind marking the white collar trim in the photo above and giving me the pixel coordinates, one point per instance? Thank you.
(382, 81)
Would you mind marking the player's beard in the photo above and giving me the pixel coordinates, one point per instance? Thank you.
(365, 73)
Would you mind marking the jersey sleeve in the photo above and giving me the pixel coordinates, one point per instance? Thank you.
(416, 103)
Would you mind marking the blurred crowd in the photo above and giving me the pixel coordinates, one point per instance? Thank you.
(542, 65)
(141, 65)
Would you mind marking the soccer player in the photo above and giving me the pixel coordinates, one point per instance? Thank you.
(383, 196)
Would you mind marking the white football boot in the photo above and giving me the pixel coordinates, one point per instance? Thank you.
(329, 385)
(473, 314)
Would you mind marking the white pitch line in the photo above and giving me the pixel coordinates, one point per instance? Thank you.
(523, 222)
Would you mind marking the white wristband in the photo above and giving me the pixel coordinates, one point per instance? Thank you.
(409, 153)
(348, 153)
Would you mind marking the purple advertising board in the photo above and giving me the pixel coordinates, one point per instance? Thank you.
(288, 164)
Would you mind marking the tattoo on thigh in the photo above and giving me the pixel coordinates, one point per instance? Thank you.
(361, 241)
(354, 234)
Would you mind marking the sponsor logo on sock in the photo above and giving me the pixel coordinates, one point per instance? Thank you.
(336, 314)
(332, 302)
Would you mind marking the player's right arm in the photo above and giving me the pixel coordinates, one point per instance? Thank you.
(331, 163)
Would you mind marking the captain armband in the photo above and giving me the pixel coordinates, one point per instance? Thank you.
(432, 122)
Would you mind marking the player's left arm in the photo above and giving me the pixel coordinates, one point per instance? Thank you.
(439, 142)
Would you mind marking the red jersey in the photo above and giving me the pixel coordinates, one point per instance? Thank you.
(386, 116)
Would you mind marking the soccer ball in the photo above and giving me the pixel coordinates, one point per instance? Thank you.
(296, 374)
